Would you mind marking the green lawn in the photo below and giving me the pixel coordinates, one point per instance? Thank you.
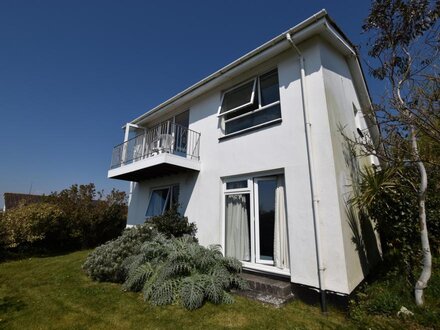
(53, 293)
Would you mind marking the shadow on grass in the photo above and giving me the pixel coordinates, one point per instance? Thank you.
(26, 253)
(10, 304)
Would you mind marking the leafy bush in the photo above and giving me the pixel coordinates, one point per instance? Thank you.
(179, 269)
(91, 219)
(32, 223)
(173, 224)
(3, 235)
(78, 217)
(105, 262)
(388, 198)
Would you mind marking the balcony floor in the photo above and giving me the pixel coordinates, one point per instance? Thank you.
(155, 166)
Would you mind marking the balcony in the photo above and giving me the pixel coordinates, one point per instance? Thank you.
(165, 149)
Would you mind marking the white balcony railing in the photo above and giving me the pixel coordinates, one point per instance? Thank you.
(166, 137)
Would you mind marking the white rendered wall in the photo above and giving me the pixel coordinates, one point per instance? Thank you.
(278, 147)
(360, 246)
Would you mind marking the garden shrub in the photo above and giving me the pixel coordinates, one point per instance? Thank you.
(105, 262)
(388, 198)
(78, 217)
(179, 269)
(387, 293)
(31, 224)
(91, 218)
(3, 236)
(173, 224)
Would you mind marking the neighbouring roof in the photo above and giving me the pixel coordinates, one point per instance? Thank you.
(13, 200)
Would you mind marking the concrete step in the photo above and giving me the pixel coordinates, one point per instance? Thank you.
(273, 291)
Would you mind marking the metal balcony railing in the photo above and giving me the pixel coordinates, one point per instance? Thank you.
(166, 137)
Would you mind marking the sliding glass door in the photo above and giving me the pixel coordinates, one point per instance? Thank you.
(264, 196)
(255, 221)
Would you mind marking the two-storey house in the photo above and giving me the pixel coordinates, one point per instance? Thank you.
(254, 156)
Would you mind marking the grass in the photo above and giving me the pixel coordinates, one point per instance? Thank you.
(53, 293)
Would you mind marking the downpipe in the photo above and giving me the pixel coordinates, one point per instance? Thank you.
(315, 204)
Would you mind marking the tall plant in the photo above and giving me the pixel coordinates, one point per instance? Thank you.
(404, 40)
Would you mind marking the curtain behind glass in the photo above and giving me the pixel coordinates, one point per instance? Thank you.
(281, 246)
(237, 227)
(157, 202)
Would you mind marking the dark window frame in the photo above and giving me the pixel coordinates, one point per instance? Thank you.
(252, 110)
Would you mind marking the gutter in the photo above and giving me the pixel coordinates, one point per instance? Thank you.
(313, 184)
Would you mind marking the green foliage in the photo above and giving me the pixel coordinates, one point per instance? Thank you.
(179, 269)
(388, 198)
(387, 293)
(403, 21)
(108, 262)
(32, 223)
(77, 217)
(433, 207)
(91, 218)
(105, 263)
(173, 224)
(3, 232)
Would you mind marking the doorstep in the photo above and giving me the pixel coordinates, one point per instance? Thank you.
(276, 291)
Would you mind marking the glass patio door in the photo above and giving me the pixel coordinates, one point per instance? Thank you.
(256, 222)
(264, 195)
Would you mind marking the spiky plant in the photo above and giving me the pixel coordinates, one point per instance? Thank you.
(106, 262)
(181, 270)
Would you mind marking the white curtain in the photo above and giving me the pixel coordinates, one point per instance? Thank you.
(281, 246)
(237, 227)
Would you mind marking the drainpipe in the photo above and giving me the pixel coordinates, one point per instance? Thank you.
(315, 204)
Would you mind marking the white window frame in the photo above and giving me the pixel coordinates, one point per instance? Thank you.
(237, 191)
(169, 195)
(254, 79)
(267, 268)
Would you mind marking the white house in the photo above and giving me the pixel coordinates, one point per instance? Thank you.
(254, 156)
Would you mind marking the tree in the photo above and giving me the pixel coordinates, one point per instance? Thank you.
(404, 41)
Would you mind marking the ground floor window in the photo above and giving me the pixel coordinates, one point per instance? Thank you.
(255, 221)
(162, 199)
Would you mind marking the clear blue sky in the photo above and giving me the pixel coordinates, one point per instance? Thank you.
(73, 72)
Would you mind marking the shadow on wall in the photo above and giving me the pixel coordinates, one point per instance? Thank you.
(186, 190)
(363, 233)
(364, 238)
(141, 194)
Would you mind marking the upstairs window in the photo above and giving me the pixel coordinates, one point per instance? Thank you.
(162, 200)
(251, 104)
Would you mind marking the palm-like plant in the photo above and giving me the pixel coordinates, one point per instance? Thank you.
(375, 185)
(386, 197)
(179, 269)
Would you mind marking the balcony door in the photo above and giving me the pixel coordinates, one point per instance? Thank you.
(181, 133)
